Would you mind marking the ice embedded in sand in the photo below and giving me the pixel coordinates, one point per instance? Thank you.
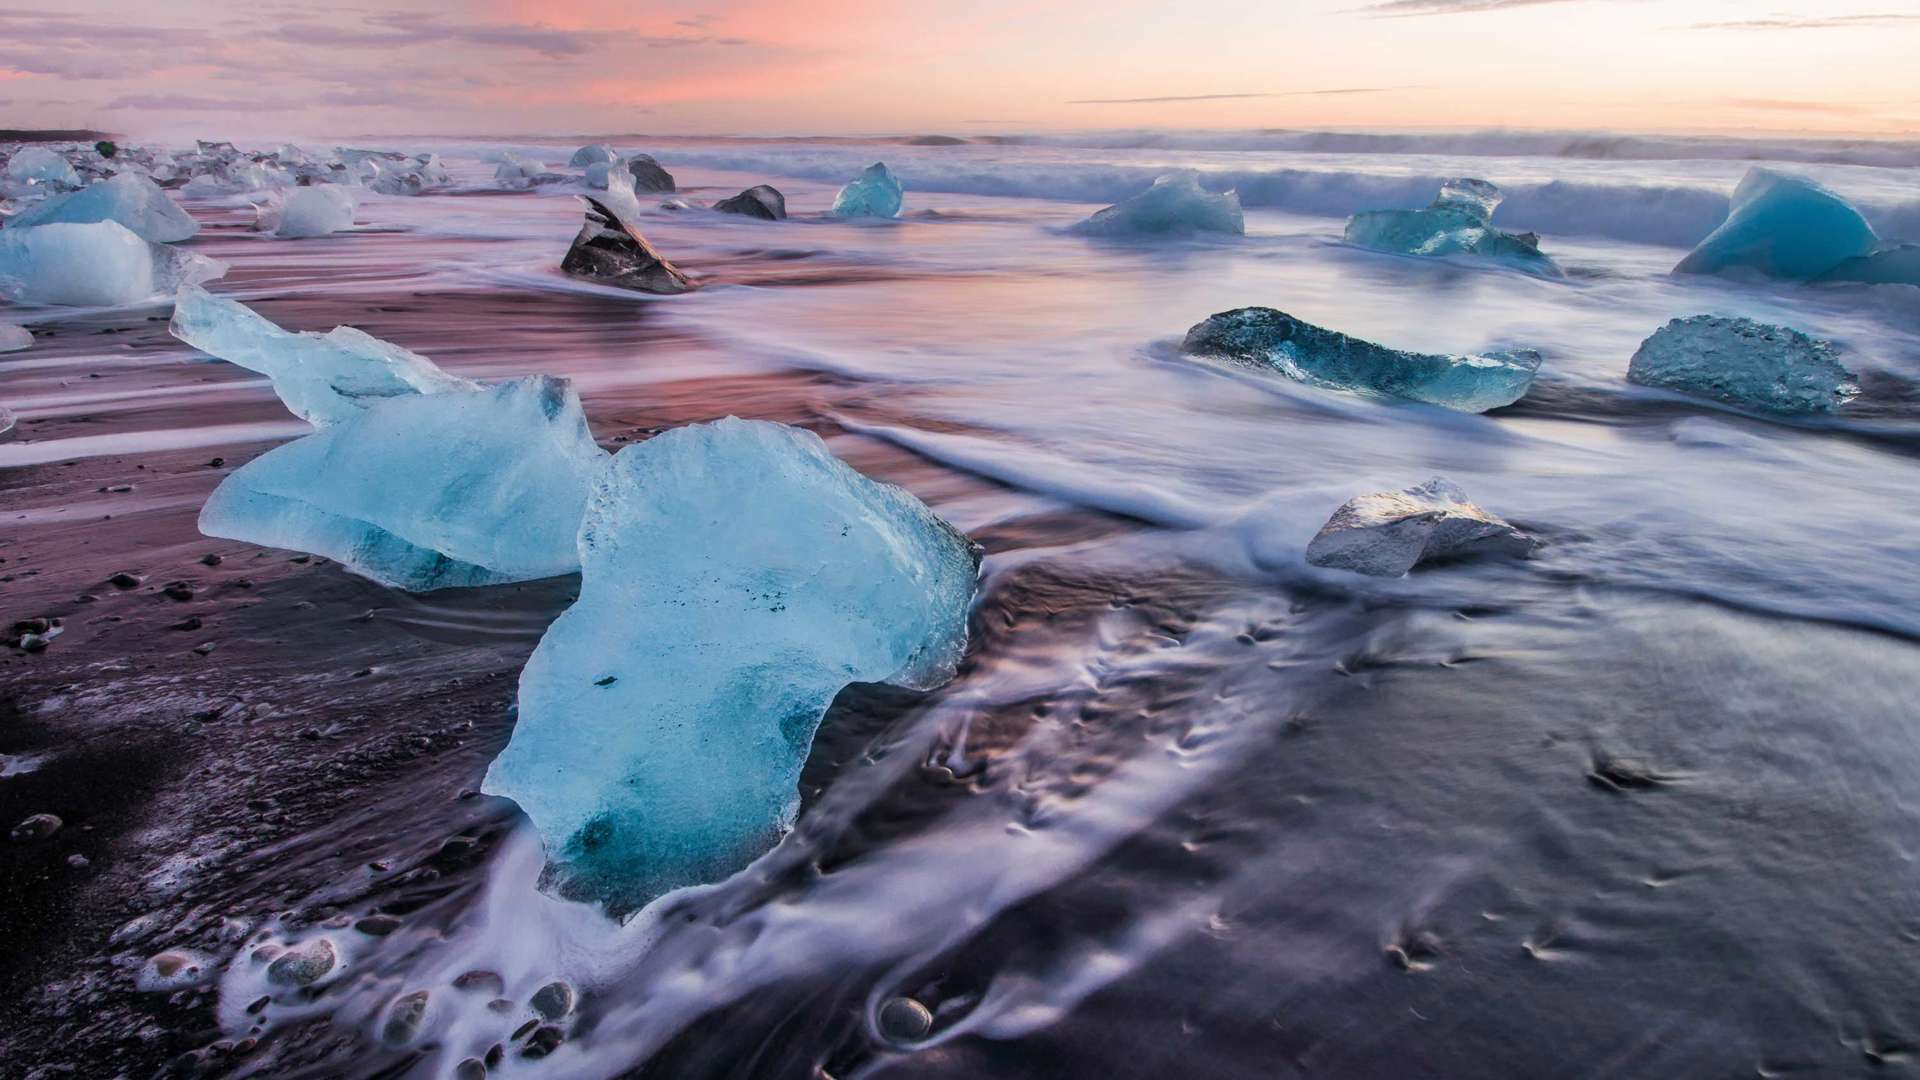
(734, 577)
(1774, 369)
(1388, 533)
(1458, 222)
(39, 165)
(128, 198)
(14, 338)
(874, 193)
(1782, 226)
(427, 491)
(97, 264)
(309, 211)
(1273, 340)
(1897, 265)
(1176, 203)
(323, 378)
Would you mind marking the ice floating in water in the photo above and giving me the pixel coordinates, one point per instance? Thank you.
(323, 378)
(595, 154)
(761, 200)
(102, 263)
(598, 173)
(1264, 338)
(734, 577)
(610, 249)
(1897, 265)
(309, 211)
(128, 198)
(1782, 226)
(1458, 222)
(515, 173)
(37, 164)
(648, 175)
(1770, 368)
(466, 487)
(1174, 204)
(14, 338)
(874, 193)
(1388, 533)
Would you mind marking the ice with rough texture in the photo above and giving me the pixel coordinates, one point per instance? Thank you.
(598, 174)
(734, 577)
(323, 378)
(1897, 265)
(515, 173)
(128, 198)
(318, 210)
(97, 264)
(610, 249)
(761, 201)
(1388, 533)
(14, 338)
(1770, 368)
(1458, 222)
(1782, 226)
(593, 154)
(39, 165)
(1273, 340)
(428, 491)
(874, 193)
(1176, 203)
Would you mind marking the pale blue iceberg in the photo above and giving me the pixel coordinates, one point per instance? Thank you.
(1769, 368)
(469, 487)
(1275, 341)
(1175, 203)
(323, 378)
(39, 165)
(97, 264)
(594, 154)
(874, 193)
(128, 198)
(1458, 222)
(1897, 265)
(734, 577)
(318, 210)
(1782, 226)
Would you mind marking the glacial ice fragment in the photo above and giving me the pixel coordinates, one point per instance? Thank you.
(466, 487)
(1458, 222)
(39, 165)
(1174, 204)
(514, 173)
(874, 193)
(318, 210)
(761, 200)
(101, 263)
(647, 174)
(734, 577)
(598, 173)
(1770, 368)
(610, 249)
(1897, 265)
(594, 154)
(323, 378)
(1782, 226)
(1388, 533)
(1264, 338)
(14, 338)
(128, 198)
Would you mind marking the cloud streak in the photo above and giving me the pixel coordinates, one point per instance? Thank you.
(1230, 97)
(1404, 8)
(1811, 22)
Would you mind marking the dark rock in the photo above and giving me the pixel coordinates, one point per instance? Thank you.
(78, 861)
(761, 201)
(203, 648)
(610, 249)
(470, 1069)
(37, 827)
(903, 1019)
(480, 982)
(553, 1001)
(217, 462)
(648, 175)
(545, 1040)
(191, 622)
(495, 1055)
(377, 925)
(404, 1018)
(178, 590)
(125, 580)
(210, 559)
(33, 626)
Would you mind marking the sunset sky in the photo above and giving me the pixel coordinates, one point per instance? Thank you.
(913, 66)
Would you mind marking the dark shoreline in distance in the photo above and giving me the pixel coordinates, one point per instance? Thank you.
(52, 135)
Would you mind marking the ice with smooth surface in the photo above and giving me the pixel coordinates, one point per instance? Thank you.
(1273, 340)
(514, 173)
(1388, 533)
(734, 577)
(1459, 221)
(593, 154)
(1782, 226)
(309, 211)
(323, 378)
(468, 487)
(1742, 362)
(874, 193)
(37, 164)
(128, 198)
(1176, 203)
(97, 264)
(14, 338)
(1897, 265)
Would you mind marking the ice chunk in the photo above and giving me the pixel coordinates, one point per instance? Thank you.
(1897, 265)
(1782, 226)
(1770, 368)
(128, 198)
(14, 338)
(1458, 222)
(467, 487)
(514, 173)
(598, 173)
(874, 193)
(39, 165)
(734, 577)
(1264, 338)
(1388, 533)
(1174, 204)
(761, 201)
(102, 263)
(323, 378)
(309, 211)
(595, 154)
(610, 249)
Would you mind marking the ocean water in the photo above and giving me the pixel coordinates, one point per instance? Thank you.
(1641, 806)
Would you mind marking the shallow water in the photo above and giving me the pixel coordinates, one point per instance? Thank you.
(1639, 806)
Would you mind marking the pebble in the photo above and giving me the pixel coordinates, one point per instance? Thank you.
(553, 1001)
(543, 1041)
(303, 964)
(78, 861)
(37, 827)
(480, 982)
(175, 969)
(903, 1019)
(34, 642)
(377, 925)
(177, 590)
(210, 559)
(203, 648)
(470, 1069)
(405, 1017)
(217, 462)
(125, 580)
(191, 622)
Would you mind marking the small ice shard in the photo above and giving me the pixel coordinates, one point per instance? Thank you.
(1273, 340)
(1388, 533)
(647, 174)
(323, 378)
(874, 193)
(610, 249)
(1782, 226)
(128, 198)
(1897, 265)
(1458, 222)
(760, 200)
(1773, 369)
(318, 210)
(467, 487)
(594, 154)
(1175, 203)
(39, 165)
(734, 577)
(14, 338)
(97, 264)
